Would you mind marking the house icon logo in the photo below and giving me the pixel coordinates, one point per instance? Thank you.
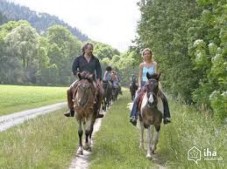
(194, 154)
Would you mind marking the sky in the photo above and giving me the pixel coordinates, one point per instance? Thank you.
(109, 21)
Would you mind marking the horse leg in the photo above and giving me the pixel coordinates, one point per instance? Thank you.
(104, 104)
(141, 135)
(87, 145)
(156, 138)
(149, 142)
(80, 133)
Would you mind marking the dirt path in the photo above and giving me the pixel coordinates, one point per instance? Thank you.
(8, 121)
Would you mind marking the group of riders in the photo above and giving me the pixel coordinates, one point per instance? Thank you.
(89, 63)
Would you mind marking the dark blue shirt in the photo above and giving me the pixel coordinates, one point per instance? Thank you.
(93, 66)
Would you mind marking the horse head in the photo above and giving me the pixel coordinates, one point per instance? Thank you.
(85, 89)
(152, 87)
(133, 87)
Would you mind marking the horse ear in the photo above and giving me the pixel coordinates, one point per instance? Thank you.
(148, 75)
(90, 77)
(79, 75)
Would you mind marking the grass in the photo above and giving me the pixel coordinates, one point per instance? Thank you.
(190, 128)
(117, 143)
(50, 141)
(17, 98)
(47, 142)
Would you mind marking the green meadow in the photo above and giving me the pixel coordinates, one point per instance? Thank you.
(16, 98)
(50, 141)
(117, 143)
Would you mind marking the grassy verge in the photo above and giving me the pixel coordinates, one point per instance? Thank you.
(16, 98)
(117, 143)
(47, 142)
(190, 128)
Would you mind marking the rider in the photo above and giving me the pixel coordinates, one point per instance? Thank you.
(150, 66)
(107, 75)
(133, 78)
(86, 62)
(116, 81)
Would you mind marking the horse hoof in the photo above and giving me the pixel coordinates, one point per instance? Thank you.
(80, 152)
(87, 147)
(148, 156)
(153, 150)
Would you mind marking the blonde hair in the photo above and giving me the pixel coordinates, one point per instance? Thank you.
(146, 49)
(149, 50)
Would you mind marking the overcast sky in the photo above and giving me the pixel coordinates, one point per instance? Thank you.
(109, 21)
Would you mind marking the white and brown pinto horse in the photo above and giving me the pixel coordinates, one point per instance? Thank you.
(150, 115)
(83, 99)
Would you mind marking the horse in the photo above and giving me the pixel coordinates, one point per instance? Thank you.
(107, 86)
(151, 111)
(133, 87)
(115, 92)
(83, 100)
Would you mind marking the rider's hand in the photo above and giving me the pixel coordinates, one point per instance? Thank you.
(99, 82)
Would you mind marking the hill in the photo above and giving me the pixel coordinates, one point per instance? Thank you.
(40, 21)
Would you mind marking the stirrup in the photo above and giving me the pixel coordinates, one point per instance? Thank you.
(70, 113)
(99, 116)
(167, 120)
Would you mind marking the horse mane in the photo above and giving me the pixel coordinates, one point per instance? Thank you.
(85, 75)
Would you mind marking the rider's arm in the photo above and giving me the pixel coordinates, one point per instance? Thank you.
(98, 70)
(75, 66)
(156, 67)
(140, 75)
(105, 76)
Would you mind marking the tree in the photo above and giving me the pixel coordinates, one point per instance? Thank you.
(63, 48)
(163, 28)
(21, 45)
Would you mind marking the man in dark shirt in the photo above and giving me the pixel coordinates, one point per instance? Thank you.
(86, 62)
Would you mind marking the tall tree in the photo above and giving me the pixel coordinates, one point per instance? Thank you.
(21, 44)
(163, 28)
(64, 47)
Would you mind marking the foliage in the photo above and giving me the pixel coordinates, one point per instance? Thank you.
(189, 42)
(163, 28)
(63, 48)
(209, 56)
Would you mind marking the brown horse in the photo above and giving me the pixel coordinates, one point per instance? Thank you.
(83, 99)
(151, 110)
(133, 87)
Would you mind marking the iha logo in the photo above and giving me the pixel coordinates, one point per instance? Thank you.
(195, 154)
(210, 154)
